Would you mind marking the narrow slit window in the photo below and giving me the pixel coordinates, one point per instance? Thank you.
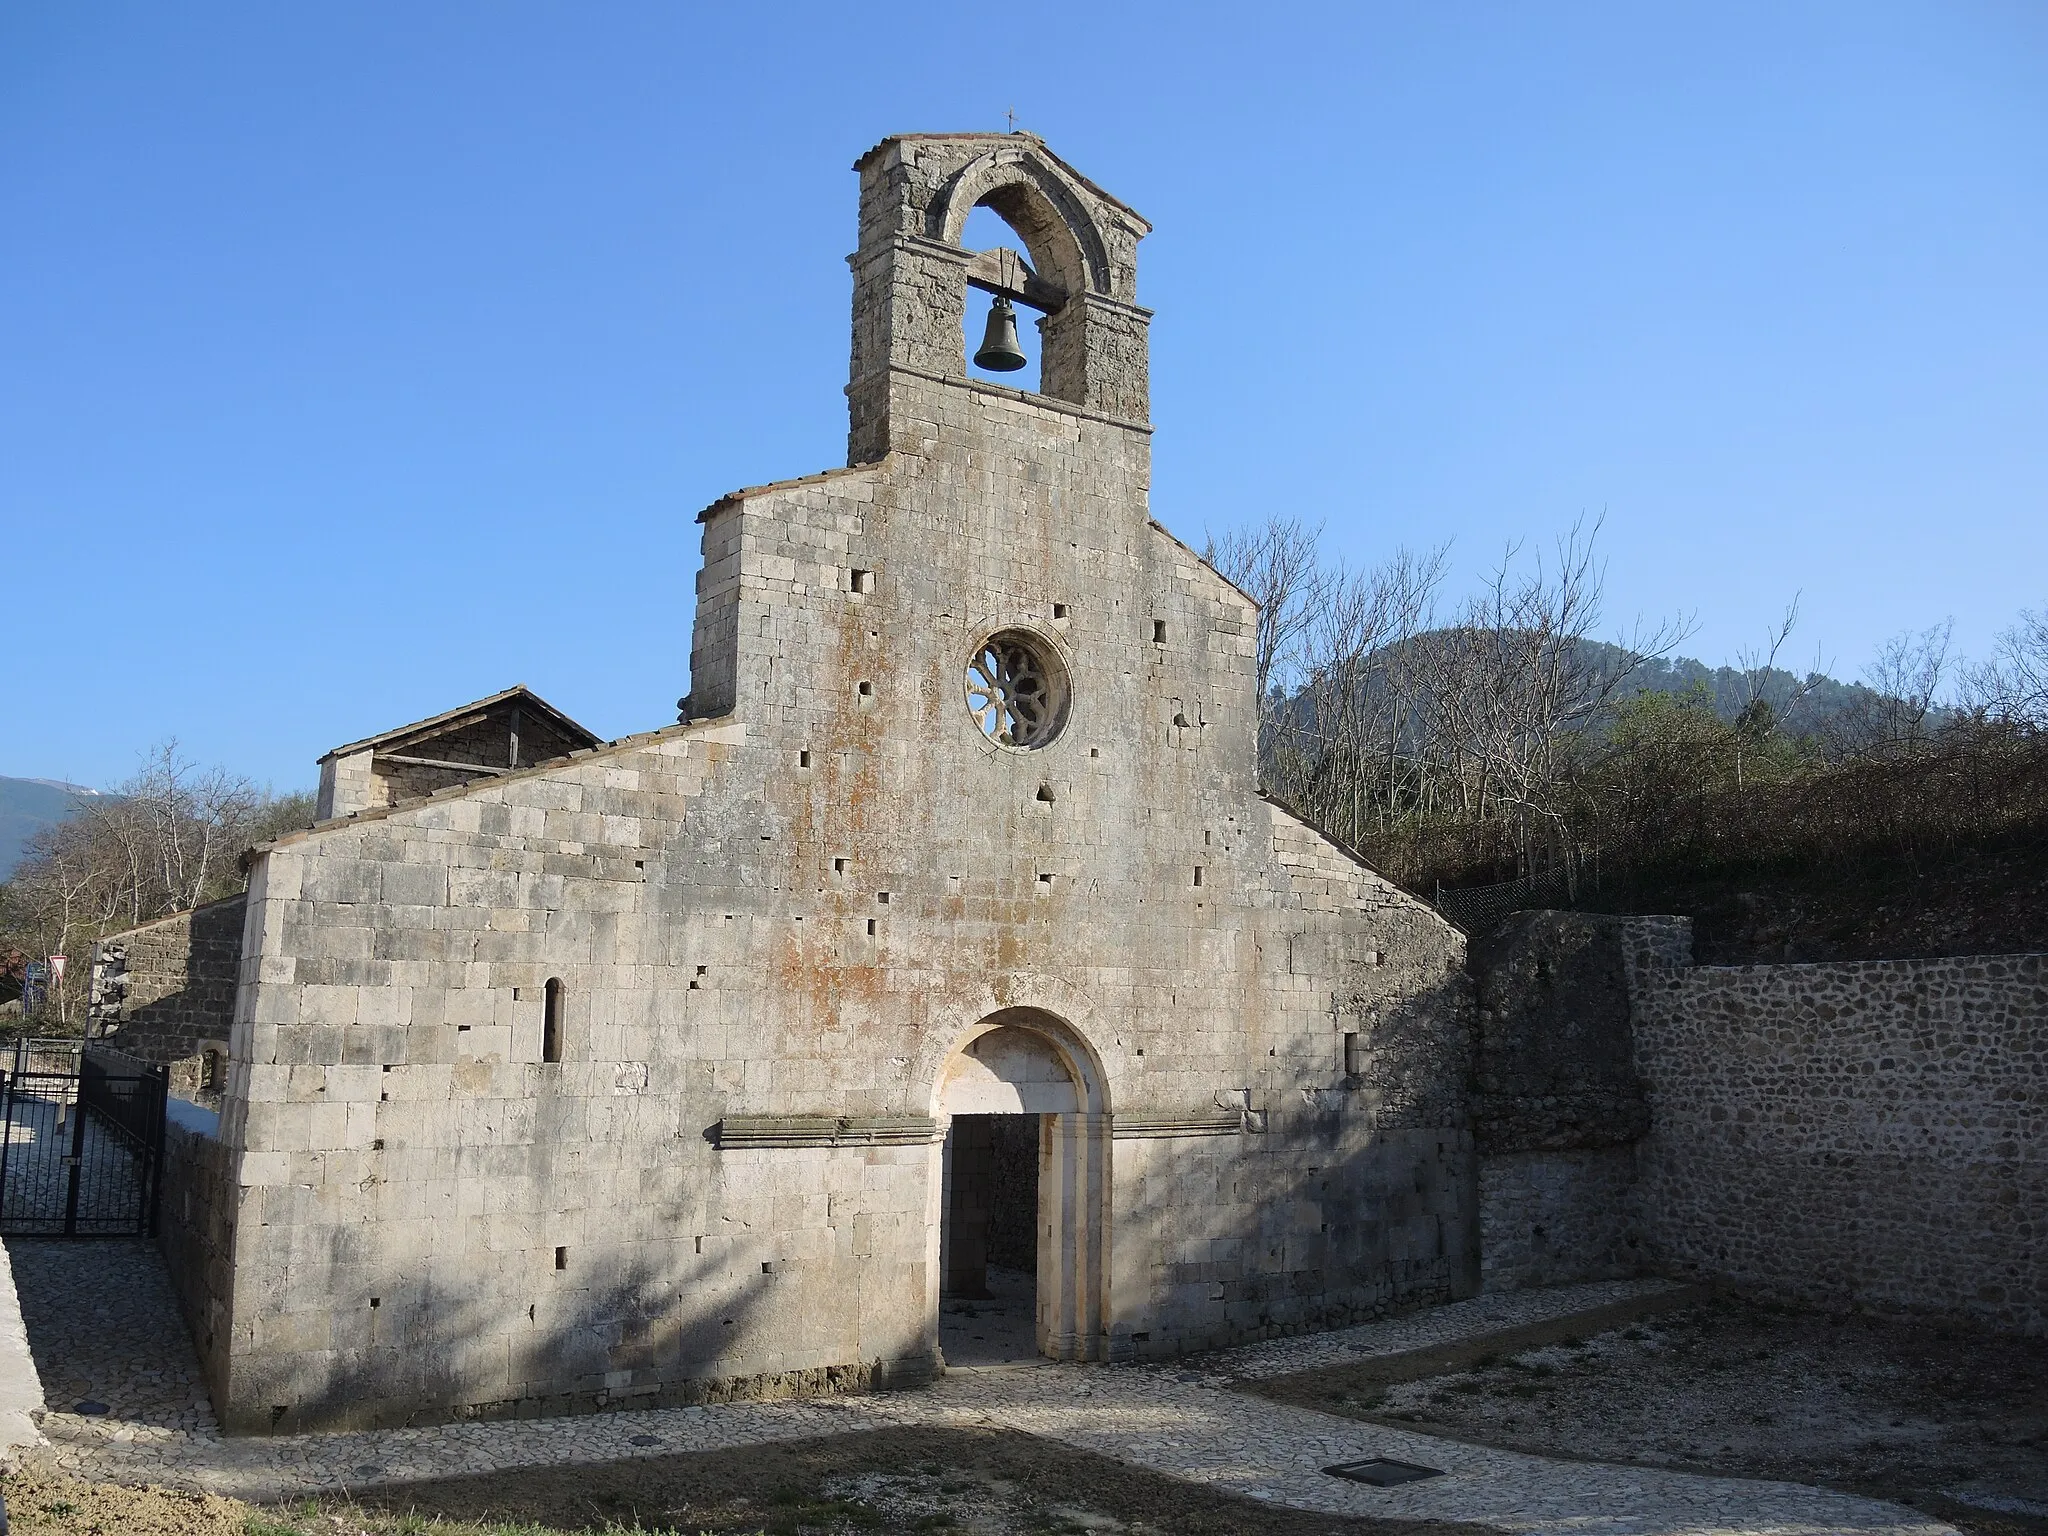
(863, 581)
(1159, 631)
(1354, 1054)
(551, 1022)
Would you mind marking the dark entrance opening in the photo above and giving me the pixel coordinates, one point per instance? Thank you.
(988, 1240)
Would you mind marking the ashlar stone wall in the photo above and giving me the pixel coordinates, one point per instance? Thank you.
(165, 992)
(1852, 1133)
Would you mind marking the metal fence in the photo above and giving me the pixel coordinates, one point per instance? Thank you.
(83, 1153)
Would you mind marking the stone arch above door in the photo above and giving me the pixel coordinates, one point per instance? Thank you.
(1051, 1011)
(1009, 1070)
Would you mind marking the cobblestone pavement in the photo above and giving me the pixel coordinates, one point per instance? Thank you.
(102, 1322)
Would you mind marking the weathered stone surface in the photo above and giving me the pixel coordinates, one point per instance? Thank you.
(165, 992)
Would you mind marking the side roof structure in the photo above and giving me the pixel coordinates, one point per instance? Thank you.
(518, 694)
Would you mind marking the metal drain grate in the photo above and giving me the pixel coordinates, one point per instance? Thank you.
(1382, 1473)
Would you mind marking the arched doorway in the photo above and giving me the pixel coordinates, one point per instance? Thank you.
(1024, 1118)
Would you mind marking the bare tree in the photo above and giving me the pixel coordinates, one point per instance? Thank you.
(2012, 687)
(1278, 565)
(1759, 720)
(1515, 689)
(168, 839)
(1894, 709)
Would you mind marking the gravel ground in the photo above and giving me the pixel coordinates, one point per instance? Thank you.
(1955, 1423)
(967, 1482)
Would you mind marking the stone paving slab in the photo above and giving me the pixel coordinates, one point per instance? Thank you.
(101, 1321)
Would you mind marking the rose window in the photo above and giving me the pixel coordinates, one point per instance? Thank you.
(1017, 690)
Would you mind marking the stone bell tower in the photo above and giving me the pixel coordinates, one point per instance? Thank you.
(1078, 270)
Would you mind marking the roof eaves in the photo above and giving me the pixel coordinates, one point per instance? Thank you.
(733, 498)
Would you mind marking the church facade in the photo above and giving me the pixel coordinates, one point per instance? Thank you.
(667, 1069)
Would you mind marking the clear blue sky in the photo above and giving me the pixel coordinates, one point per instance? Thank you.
(359, 360)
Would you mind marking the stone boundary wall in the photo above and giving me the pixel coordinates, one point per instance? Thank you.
(1862, 1134)
(196, 1231)
(166, 991)
(1556, 1218)
(1557, 1105)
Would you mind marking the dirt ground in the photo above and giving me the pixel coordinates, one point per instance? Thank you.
(1955, 1423)
(971, 1482)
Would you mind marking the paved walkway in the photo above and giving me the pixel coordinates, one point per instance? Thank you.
(101, 1322)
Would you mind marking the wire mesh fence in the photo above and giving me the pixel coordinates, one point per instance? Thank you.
(1476, 908)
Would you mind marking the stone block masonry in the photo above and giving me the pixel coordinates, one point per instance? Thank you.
(1558, 1103)
(165, 992)
(196, 1230)
(1851, 1134)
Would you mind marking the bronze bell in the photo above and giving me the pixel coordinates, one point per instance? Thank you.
(999, 350)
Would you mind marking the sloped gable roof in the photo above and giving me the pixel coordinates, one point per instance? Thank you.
(519, 694)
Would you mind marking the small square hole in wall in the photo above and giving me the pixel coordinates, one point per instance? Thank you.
(376, 1302)
(377, 1145)
(1045, 879)
(515, 998)
(561, 1258)
(1141, 1338)
(871, 927)
(839, 866)
(1059, 612)
(863, 581)
(1159, 631)
(460, 1029)
(697, 980)
(866, 689)
(882, 897)
(1045, 794)
(1095, 751)
(803, 759)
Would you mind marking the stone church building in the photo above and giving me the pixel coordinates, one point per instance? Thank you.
(566, 1073)
(948, 935)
